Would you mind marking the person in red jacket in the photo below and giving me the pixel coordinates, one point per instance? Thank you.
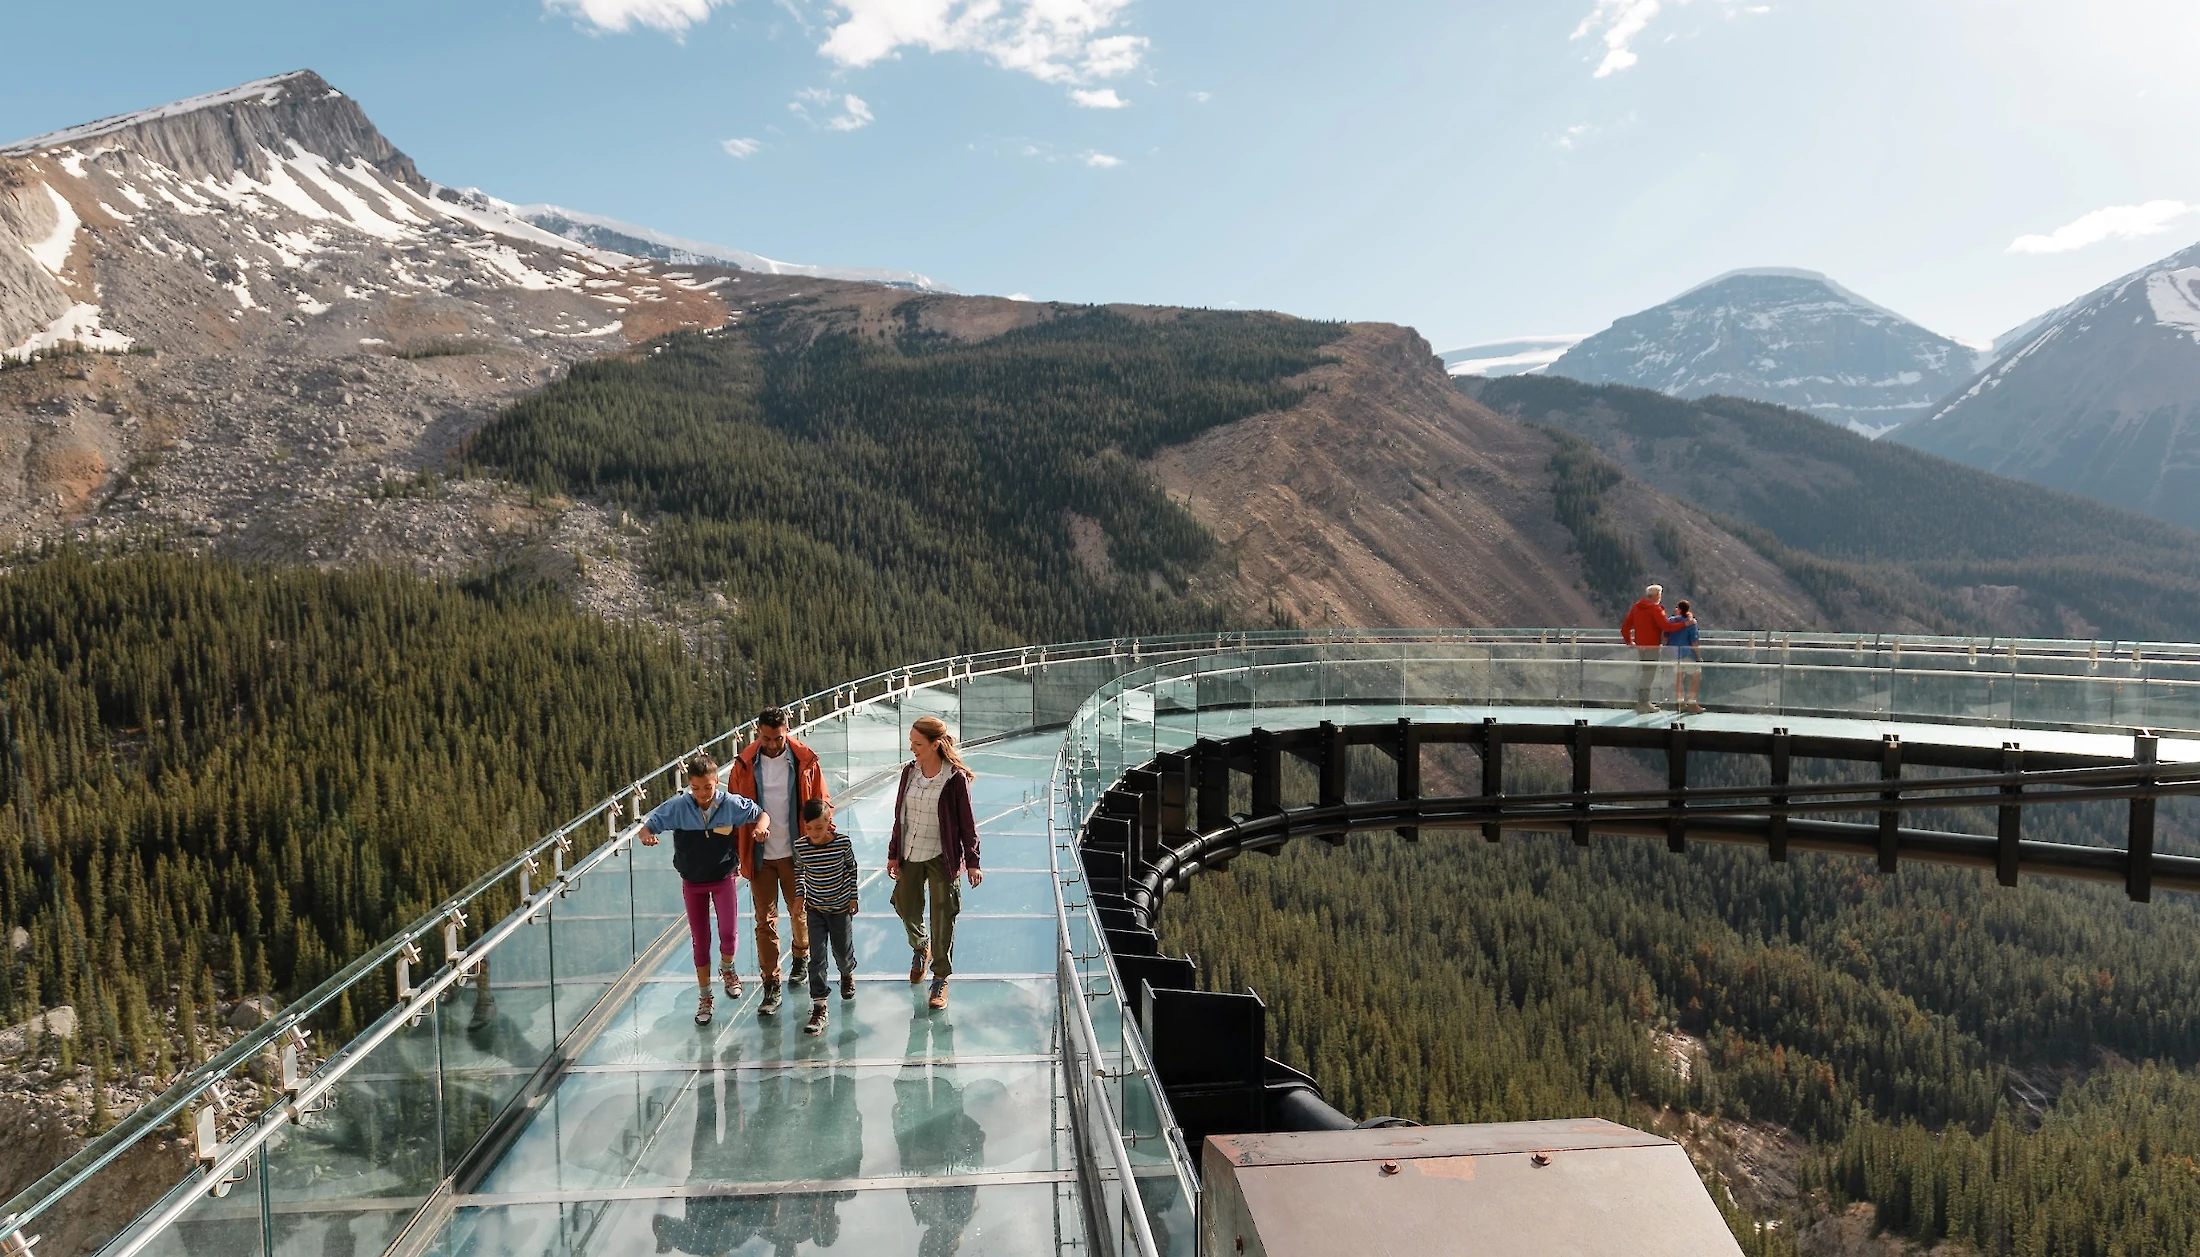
(1644, 629)
(935, 840)
(782, 775)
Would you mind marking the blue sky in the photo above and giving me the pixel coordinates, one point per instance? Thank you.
(1475, 169)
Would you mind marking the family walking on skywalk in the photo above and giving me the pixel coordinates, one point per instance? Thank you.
(1658, 636)
(771, 823)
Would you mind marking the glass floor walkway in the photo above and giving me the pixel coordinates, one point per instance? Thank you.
(898, 1130)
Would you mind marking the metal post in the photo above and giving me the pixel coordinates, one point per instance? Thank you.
(1676, 779)
(1214, 785)
(1409, 771)
(1581, 751)
(2139, 874)
(1267, 774)
(2011, 828)
(1493, 773)
(1336, 764)
(1776, 831)
(1890, 818)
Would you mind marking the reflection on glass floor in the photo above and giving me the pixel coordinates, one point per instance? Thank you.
(899, 1130)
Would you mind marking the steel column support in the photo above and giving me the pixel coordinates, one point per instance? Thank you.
(2010, 830)
(1776, 833)
(1676, 778)
(1214, 784)
(2139, 877)
(1493, 772)
(1409, 771)
(1582, 782)
(1890, 819)
(1267, 773)
(1174, 768)
(1336, 764)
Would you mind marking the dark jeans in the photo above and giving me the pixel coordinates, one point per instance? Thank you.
(832, 934)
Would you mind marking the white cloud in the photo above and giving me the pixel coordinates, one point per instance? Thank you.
(1617, 23)
(1102, 161)
(621, 15)
(2114, 222)
(1203, 97)
(1575, 134)
(1055, 41)
(1620, 21)
(741, 147)
(853, 114)
(1103, 98)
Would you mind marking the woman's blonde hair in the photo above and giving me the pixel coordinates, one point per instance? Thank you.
(935, 731)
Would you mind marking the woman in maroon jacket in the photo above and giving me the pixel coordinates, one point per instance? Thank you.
(935, 841)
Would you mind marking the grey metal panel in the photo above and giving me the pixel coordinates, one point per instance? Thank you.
(1544, 1189)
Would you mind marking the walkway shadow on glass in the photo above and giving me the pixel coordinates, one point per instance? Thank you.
(936, 1134)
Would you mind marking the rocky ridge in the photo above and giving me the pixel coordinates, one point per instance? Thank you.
(2101, 397)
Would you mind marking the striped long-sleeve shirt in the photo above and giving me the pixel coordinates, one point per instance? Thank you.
(826, 872)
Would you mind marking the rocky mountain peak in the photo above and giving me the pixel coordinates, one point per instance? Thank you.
(1781, 335)
(244, 128)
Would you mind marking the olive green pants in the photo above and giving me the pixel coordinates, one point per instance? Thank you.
(920, 878)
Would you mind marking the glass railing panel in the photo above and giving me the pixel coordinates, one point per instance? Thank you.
(1834, 691)
(829, 739)
(1960, 697)
(1362, 676)
(349, 1176)
(942, 702)
(2170, 704)
(1137, 707)
(995, 706)
(2066, 700)
(877, 740)
(1286, 686)
(1520, 679)
(1449, 676)
(1739, 686)
(1223, 689)
(232, 1225)
(657, 903)
(592, 939)
(1059, 688)
(1171, 1209)
(497, 1030)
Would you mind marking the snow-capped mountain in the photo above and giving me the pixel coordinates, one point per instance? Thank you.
(641, 242)
(258, 315)
(2100, 397)
(1517, 356)
(1787, 336)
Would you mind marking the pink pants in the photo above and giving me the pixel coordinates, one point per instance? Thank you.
(698, 897)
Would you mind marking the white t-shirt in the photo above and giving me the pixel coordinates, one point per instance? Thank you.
(775, 794)
(920, 814)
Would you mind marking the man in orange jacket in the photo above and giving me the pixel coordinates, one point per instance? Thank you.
(1643, 629)
(781, 774)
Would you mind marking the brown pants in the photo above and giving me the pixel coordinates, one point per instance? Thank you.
(773, 882)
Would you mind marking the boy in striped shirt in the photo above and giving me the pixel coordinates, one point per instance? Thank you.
(825, 868)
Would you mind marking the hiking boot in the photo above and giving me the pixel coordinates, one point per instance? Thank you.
(771, 999)
(1644, 709)
(702, 1009)
(799, 972)
(847, 986)
(731, 978)
(939, 993)
(918, 959)
(818, 1017)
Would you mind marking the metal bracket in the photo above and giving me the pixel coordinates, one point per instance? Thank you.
(453, 951)
(528, 867)
(17, 1244)
(407, 957)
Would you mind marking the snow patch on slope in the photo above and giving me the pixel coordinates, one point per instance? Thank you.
(78, 326)
(53, 252)
(2175, 296)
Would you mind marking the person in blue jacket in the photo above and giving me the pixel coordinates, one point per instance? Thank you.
(705, 822)
(1680, 638)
